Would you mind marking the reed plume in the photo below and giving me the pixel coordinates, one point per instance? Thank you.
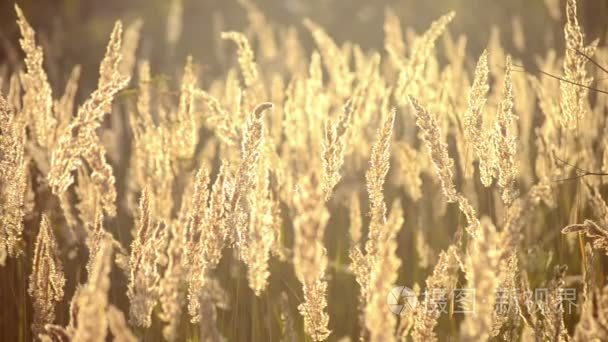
(504, 140)
(593, 308)
(223, 122)
(552, 309)
(92, 300)
(153, 159)
(263, 30)
(47, 279)
(333, 149)
(184, 121)
(246, 59)
(595, 232)
(207, 235)
(411, 164)
(252, 140)
(431, 135)
(593, 229)
(146, 253)
(129, 47)
(64, 107)
(411, 73)
(95, 236)
(335, 62)
(109, 68)
(379, 319)
(378, 168)
(482, 273)
(438, 285)
(171, 294)
(376, 269)
(310, 259)
(38, 100)
(473, 124)
(573, 100)
(13, 182)
(259, 233)
(393, 38)
(79, 143)
(438, 150)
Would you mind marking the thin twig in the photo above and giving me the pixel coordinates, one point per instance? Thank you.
(590, 60)
(580, 174)
(562, 79)
(565, 162)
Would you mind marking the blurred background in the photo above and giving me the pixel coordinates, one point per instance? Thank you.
(76, 32)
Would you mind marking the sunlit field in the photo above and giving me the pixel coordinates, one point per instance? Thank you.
(301, 180)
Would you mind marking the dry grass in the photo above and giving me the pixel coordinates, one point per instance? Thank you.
(254, 204)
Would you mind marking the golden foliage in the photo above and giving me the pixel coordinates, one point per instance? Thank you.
(239, 198)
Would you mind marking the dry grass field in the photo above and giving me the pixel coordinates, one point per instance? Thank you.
(305, 187)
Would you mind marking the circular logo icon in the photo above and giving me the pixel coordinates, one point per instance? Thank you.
(401, 299)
